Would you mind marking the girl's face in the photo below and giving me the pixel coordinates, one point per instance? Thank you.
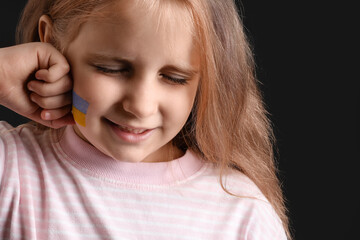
(140, 77)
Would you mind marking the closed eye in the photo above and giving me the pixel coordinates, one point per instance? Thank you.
(175, 80)
(112, 70)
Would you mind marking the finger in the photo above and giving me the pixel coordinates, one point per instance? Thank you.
(51, 102)
(51, 74)
(53, 114)
(46, 89)
(58, 123)
(53, 65)
(61, 122)
(66, 120)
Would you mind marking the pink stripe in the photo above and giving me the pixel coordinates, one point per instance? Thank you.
(46, 194)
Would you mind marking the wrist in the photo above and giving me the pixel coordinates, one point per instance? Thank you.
(4, 68)
(2, 74)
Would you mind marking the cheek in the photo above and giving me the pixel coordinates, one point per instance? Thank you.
(97, 90)
(179, 108)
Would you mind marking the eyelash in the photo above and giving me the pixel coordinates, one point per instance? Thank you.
(174, 80)
(180, 81)
(111, 71)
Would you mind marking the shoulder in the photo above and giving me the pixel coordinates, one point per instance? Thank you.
(9, 138)
(26, 134)
(256, 216)
(235, 182)
(19, 144)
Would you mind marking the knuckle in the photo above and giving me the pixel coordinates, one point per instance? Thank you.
(66, 67)
(34, 97)
(63, 68)
(38, 87)
(42, 90)
(42, 102)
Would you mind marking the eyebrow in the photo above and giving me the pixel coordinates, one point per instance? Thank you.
(182, 68)
(106, 57)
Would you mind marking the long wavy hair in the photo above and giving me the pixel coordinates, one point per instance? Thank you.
(228, 125)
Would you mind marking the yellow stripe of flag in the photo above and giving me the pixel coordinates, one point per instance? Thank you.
(79, 117)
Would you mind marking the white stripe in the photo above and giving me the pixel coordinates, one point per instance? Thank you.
(218, 202)
(78, 204)
(139, 213)
(163, 225)
(68, 226)
(211, 190)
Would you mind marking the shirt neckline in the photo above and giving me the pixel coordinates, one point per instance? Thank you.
(88, 158)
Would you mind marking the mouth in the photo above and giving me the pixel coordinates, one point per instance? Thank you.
(132, 130)
(130, 134)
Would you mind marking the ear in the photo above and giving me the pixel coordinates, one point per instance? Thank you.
(45, 29)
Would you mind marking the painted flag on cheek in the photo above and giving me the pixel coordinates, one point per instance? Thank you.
(79, 109)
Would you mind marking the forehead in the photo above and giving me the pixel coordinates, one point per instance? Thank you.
(140, 31)
(169, 19)
(170, 14)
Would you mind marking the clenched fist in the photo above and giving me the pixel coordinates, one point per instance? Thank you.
(35, 83)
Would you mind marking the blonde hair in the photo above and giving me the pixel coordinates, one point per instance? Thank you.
(228, 125)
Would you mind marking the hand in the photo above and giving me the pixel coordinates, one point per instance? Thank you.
(34, 82)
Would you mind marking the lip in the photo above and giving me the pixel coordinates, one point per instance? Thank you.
(130, 134)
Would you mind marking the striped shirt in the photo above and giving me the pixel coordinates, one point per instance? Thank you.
(53, 185)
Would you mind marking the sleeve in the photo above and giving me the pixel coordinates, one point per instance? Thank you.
(2, 158)
(2, 149)
(7, 145)
(264, 223)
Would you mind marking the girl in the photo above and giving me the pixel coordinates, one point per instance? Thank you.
(171, 139)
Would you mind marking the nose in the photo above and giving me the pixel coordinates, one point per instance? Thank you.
(141, 98)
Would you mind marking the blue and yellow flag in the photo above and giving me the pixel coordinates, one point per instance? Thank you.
(79, 109)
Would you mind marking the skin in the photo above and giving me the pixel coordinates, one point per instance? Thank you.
(34, 82)
(139, 79)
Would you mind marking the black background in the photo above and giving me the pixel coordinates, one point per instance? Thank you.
(303, 53)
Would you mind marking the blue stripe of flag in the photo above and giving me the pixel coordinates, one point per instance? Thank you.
(80, 103)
